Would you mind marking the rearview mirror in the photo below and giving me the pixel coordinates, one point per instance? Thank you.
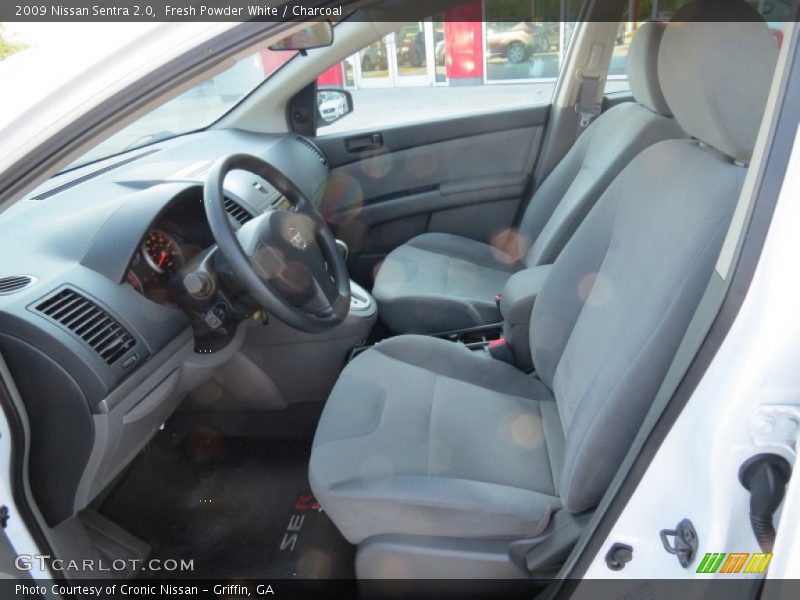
(333, 104)
(314, 35)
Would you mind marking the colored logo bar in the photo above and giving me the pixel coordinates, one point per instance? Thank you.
(734, 562)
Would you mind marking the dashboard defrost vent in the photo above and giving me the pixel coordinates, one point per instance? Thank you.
(236, 210)
(314, 149)
(102, 332)
(15, 283)
(92, 175)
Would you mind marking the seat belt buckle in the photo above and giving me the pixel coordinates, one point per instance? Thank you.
(497, 300)
(500, 350)
(587, 117)
(586, 105)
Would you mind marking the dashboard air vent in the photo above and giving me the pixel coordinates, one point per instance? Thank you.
(15, 283)
(314, 149)
(237, 211)
(88, 321)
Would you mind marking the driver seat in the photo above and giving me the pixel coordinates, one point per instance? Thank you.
(423, 439)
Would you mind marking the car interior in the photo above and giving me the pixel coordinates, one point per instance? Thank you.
(417, 351)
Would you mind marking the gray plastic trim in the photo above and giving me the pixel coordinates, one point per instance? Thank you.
(422, 557)
(132, 413)
(448, 196)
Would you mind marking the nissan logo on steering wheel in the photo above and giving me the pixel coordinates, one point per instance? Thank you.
(296, 239)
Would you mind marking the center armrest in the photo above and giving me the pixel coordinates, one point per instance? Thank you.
(516, 305)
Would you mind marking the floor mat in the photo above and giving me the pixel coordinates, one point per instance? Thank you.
(238, 507)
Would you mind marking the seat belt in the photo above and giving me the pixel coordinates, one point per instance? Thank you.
(587, 104)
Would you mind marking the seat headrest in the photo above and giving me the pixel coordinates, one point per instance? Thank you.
(643, 67)
(716, 75)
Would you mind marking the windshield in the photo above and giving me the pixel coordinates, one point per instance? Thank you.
(194, 109)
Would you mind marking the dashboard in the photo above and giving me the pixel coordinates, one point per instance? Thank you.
(96, 341)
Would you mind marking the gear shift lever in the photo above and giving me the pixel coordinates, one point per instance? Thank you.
(343, 249)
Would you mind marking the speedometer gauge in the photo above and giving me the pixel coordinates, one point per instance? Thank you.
(162, 252)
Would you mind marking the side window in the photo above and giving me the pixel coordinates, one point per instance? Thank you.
(617, 79)
(477, 58)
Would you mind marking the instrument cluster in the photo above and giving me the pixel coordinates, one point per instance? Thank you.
(159, 256)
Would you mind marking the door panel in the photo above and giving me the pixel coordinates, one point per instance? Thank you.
(390, 172)
(464, 176)
(477, 215)
(414, 135)
(476, 221)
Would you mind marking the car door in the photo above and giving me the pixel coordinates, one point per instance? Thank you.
(465, 176)
(453, 155)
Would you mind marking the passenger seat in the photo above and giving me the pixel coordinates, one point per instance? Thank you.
(439, 282)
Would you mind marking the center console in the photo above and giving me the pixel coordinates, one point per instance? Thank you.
(508, 340)
(478, 338)
(516, 306)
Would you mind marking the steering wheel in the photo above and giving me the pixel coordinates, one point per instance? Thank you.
(286, 259)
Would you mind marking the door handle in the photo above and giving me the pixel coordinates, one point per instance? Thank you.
(361, 143)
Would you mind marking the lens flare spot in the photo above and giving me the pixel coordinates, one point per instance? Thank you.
(314, 564)
(377, 166)
(395, 272)
(268, 261)
(391, 568)
(342, 198)
(523, 430)
(509, 246)
(422, 162)
(526, 430)
(595, 289)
